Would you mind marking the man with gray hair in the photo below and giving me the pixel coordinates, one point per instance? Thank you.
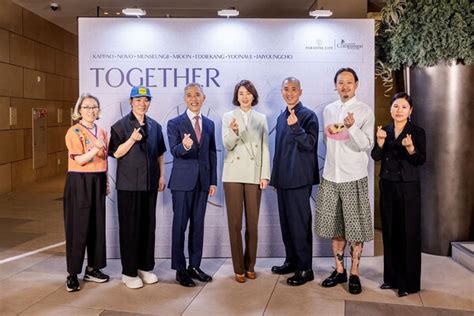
(193, 178)
(295, 171)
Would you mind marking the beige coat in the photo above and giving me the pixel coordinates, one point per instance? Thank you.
(247, 158)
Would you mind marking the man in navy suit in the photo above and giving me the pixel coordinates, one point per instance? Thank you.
(295, 171)
(193, 178)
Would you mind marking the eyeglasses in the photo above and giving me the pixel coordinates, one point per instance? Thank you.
(90, 108)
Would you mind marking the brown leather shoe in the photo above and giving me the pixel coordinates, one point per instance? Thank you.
(251, 275)
(240, 278)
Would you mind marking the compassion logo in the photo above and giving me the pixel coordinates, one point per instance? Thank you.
(342, 44)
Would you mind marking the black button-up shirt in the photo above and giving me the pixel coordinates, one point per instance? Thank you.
(138, 170)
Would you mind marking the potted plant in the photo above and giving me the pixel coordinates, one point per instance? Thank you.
(432, 42)
(423, 33)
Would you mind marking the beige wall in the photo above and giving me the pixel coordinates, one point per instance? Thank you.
(38, 68)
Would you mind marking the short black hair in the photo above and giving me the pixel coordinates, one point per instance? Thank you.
(148, 98)
(247, 84)
(348, 69)
(402, 95)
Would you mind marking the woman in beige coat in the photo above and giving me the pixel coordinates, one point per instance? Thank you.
(246, 173)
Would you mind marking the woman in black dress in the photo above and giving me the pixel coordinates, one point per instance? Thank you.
(401, 147)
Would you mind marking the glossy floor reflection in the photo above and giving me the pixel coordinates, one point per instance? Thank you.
(34, 285)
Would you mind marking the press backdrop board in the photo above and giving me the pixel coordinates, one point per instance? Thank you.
(166, 54)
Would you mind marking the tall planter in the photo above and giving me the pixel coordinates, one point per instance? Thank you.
(443, 99)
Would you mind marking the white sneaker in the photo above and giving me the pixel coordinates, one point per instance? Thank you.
(132, 282)
(147, 277)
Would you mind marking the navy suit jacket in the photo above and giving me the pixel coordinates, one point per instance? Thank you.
(196, 164)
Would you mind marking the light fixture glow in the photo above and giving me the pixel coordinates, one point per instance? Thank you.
(228, 12)
(134, 11)
(320, 13)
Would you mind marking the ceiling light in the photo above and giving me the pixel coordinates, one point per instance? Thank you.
(320, 13)
(134, 11)
(228, 12)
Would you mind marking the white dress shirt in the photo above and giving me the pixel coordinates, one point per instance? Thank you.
(191, 116)
(246, 116)
(347, 152)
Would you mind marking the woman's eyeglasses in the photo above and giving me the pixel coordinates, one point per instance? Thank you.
(90, 108)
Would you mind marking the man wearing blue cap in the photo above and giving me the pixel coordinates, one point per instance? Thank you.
(136, 141)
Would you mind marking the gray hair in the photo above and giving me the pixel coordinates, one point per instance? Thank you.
(292, 80)
(76, 116)
(193, 85)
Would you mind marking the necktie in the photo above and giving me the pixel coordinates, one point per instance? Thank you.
(197, 128)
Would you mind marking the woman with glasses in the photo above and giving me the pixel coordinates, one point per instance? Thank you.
(84, 194)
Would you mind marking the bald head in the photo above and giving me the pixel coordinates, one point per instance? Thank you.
(292, 80)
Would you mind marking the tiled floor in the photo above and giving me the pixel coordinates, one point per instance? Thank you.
(34, 285)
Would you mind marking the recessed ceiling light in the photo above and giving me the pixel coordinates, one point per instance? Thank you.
(106, 13)
(320, 13)
(134, 11)
(228, 12)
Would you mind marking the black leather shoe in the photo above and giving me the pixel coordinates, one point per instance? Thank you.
(284, 269)
(354, 285)
(402, 293)
(198, 274)
(335, 278)
(301, 277)
(386, 286)
(184, 279)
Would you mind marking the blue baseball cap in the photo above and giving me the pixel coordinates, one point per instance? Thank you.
(140, 91)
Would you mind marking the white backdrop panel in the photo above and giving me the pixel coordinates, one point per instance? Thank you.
(166, 54)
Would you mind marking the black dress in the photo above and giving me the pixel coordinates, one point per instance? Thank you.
(400, 207)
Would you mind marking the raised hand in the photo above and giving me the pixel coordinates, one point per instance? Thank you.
(292, 119)
(234, 126)
(407, 142)
(136, 136)
(381, 136)
(349, 120)
(187, 141)
(99, 143)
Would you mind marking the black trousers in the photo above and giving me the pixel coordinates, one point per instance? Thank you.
(400, 212)
(294, 209)
(84, 220)
(137, 222)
